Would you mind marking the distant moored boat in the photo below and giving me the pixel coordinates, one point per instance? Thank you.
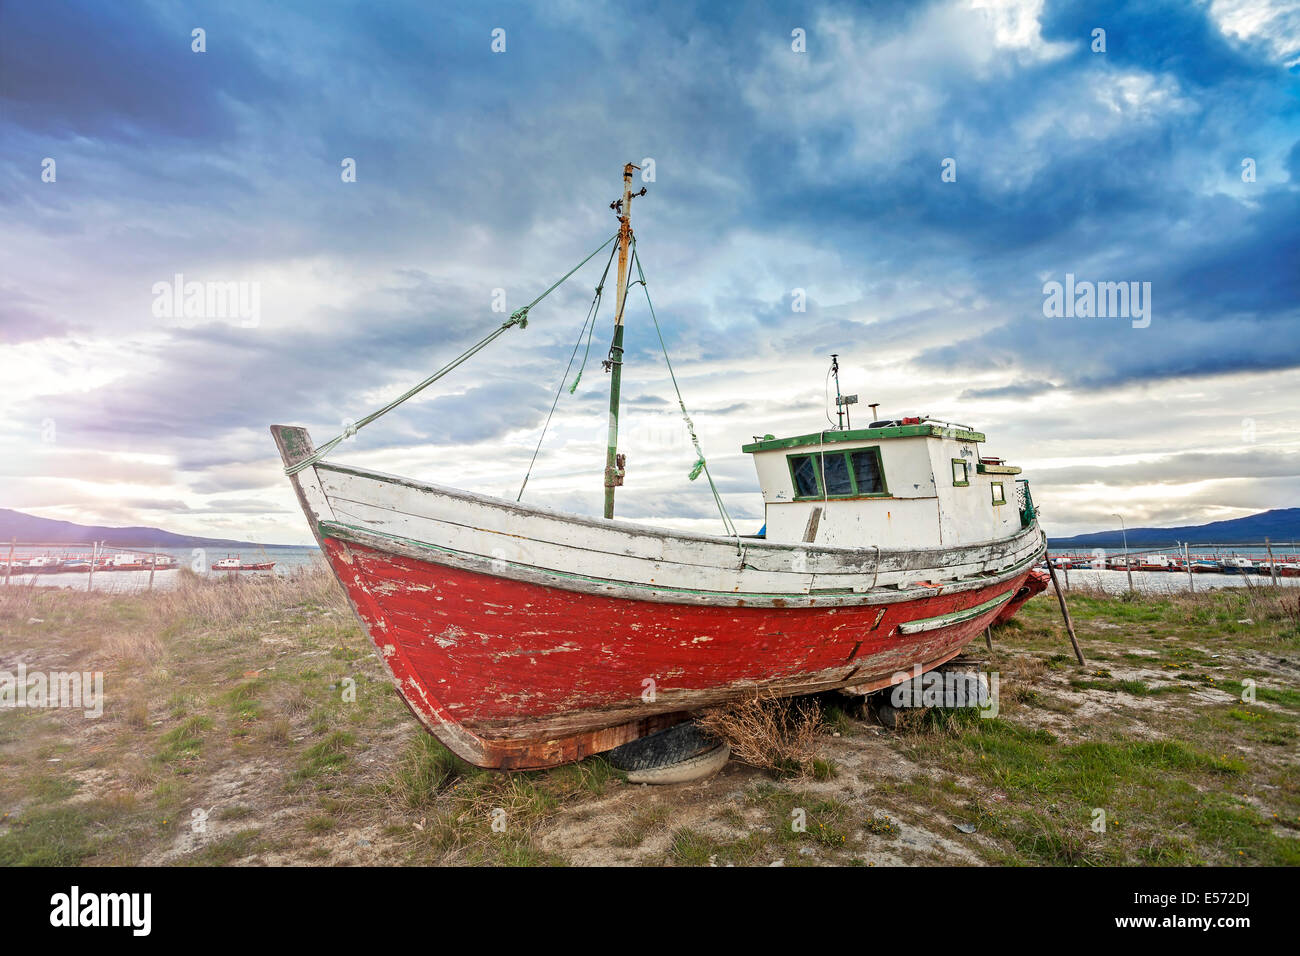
(233, 562)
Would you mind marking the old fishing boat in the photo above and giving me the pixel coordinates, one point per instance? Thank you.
(234, 562)
(527, 637)
(1237, 565)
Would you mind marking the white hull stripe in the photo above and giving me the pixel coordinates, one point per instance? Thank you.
(648, 591)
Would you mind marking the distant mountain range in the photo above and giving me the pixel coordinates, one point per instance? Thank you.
(1281, 526)
(14, 525)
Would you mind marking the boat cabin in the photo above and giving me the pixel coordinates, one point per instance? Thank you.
(898, 484)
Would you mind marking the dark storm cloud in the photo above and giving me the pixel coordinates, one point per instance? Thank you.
(1015, 390)
(197, 385)
(124, 72)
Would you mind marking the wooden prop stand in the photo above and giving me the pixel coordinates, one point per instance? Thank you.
(1065, 612)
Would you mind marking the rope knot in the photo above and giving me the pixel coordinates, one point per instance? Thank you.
(519, 318)
(349, 429)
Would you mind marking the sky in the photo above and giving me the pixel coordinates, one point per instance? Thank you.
(898, 183)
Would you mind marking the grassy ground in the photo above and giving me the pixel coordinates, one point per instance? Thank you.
(251, 722)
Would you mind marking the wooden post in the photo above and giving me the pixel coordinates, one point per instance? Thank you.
(153, 564)
(1187, 560)
(9, 567)
(1065, 568)
(1065, 613)
(1127, 566)
(1271, 566)
(94, 556)
(988, 637)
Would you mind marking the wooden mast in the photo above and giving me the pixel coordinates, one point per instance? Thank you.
(613, 466)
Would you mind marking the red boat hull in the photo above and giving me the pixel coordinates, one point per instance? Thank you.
(514, 674)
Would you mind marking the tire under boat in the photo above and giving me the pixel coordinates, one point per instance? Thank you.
(523, 637)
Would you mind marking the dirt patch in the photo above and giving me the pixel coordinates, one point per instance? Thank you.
(722, 809)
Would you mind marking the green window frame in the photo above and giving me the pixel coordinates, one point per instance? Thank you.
(964, 480)
(855, 473)
(999, 491)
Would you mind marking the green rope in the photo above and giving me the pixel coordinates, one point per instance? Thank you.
(701, 466)
(592, 312)
(519, 317)
(583, 367)
(600, 288)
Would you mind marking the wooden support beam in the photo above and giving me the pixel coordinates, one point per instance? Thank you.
(1065, 613)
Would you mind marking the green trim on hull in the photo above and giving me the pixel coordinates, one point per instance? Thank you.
(956, 617)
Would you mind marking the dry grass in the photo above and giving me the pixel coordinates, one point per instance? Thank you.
(19, 600)
(1256, 600)
(131, 648)
(233, 598)
(771, 733)
(215, 599)
(1276, 604)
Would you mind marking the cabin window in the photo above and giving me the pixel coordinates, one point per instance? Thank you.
(999, 494)
(845, 474)
(959, 476)
(867, 473)
(804, 471)
(836, 475)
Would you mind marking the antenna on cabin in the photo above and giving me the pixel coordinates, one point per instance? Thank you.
(842, 402)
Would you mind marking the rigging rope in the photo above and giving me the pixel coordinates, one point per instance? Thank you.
(700, 464)
(585, 355)
(519, 317)
(592, 312)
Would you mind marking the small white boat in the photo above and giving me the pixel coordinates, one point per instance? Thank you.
(233, 562)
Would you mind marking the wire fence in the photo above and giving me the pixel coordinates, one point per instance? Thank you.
(1246, 564)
